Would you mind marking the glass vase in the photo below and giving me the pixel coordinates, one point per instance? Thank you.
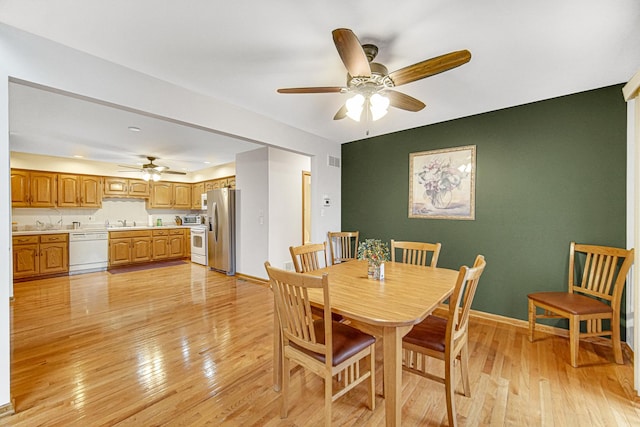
(375, 271)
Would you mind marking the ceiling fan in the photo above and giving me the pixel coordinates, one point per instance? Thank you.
(371, 82)
(151, 171)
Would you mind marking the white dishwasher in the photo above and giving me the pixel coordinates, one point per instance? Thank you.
(88, 251)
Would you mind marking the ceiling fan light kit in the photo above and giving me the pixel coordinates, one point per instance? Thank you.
(370, 84)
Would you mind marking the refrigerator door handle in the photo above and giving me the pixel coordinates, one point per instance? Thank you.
(215, 217)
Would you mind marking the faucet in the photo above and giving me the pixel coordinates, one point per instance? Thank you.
(123, 221)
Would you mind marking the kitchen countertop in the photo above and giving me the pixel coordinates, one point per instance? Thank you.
(93, 229)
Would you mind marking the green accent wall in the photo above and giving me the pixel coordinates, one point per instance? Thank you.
(547, 173)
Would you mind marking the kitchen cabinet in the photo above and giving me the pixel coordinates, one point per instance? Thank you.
(176, 243)
(123, 187)
(197, 190)
(168, 243)
(129, 247)
(33, 189)
(170, 195)
(214, 184)
(79, 191)
(40, 255)
(160, 244)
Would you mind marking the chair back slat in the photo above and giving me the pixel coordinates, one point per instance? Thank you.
(602, 273)
(462, 298)
(293, 307)
(308, 257)
(416, 253)
(343, 245)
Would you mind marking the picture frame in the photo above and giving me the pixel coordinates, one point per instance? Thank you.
(442, 183)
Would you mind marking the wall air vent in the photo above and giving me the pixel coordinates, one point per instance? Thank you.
(333, 161)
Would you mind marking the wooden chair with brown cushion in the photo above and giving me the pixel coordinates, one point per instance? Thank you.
(325, 347)
(343, 245)
(445, 338)
(597, 275)
(305, 258)
(416, 252)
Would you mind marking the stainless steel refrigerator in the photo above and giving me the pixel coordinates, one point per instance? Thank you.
(221, 234)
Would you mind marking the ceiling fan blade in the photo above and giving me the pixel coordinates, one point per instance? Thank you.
(342, 113)
(174, 172)
(130, 167)
(328, 89)
(403, 101)
(351, 53)
(430, 67)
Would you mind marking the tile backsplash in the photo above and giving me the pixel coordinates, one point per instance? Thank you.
(131, 210)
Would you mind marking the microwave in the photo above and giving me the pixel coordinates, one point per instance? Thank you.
(192, 220)
(203, 201)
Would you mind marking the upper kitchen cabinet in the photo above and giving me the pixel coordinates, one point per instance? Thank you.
(170, 195)
(196, 195)
(33, 189)
(123, 187)
(214, 184)
(79, 191)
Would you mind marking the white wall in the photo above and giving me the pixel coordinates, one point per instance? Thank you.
(285, 204)
(252, 200)
(29, 58)
(270, 192)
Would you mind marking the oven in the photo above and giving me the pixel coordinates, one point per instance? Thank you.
(199, 244)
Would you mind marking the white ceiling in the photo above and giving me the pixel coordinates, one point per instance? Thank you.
(242, 51)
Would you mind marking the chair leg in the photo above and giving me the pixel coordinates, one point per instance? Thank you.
(615, 341)
(328, 398)
(371, 384)
(464, 368)
(574, 339)
(532, 319)
(284, 392)
(450, 389)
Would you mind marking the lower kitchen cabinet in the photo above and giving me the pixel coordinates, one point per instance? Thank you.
(40, 255)
(169, 243)
(129, 247)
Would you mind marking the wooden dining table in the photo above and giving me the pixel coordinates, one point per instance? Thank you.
(386, 308)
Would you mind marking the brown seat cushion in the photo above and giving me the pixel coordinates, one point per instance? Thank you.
(571, 303)
(430, 333)
(346, 342)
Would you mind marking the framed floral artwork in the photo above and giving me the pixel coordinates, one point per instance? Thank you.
(442, 183)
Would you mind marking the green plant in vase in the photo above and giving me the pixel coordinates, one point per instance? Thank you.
(376, 252)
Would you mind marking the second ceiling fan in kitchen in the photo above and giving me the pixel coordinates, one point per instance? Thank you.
(369, 83)
(150, 171)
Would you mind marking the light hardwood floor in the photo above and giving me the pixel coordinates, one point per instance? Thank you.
(185, 346)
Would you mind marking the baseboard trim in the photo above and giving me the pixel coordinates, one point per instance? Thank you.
(489, 317)
(253, 279)
(7, 409)
(481, 316)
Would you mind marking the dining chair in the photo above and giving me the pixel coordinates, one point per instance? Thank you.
(597, 275)
(416, 252)
(446, 338)
(307, 257)
(325, 347)
(343, 245)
